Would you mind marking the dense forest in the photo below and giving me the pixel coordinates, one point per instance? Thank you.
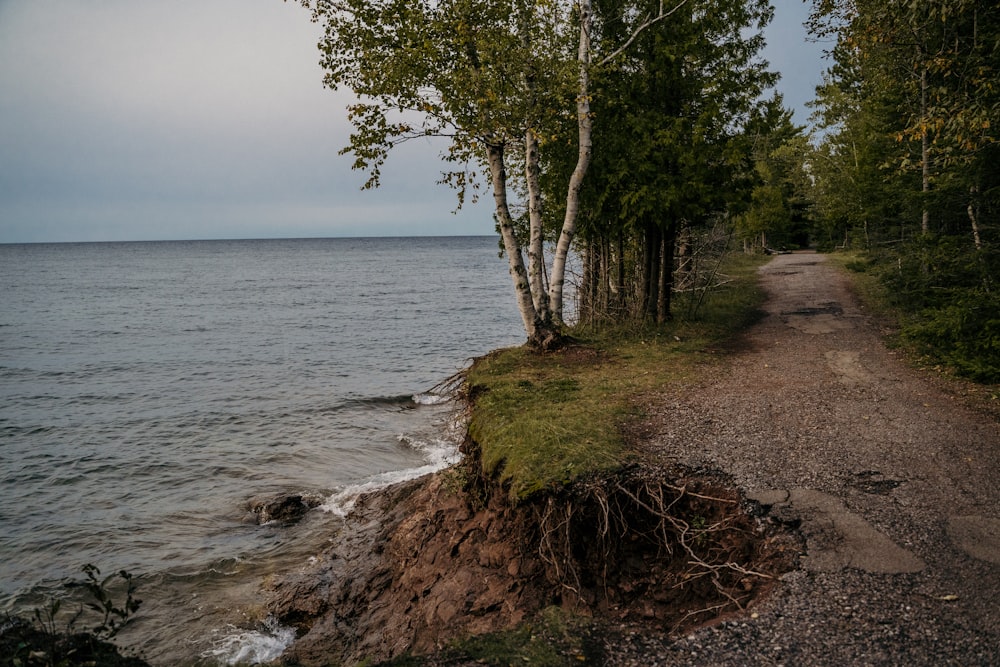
(644, 138)
(905, 165)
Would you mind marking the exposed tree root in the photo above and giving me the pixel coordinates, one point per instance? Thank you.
(645, 544)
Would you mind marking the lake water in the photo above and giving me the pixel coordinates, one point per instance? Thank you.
(148, 390)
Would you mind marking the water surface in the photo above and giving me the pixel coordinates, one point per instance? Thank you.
(147, 390)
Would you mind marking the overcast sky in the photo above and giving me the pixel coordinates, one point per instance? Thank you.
(195, 119)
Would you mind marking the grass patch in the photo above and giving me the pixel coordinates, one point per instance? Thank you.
(544, 420)
(555, 638)
(866, 285)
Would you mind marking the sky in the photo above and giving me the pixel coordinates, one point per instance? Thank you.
(127, 120)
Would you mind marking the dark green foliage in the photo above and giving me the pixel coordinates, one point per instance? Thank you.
(675, 120)
(964, 334)
(49, 640)
(777, 213)
(112, 618)
(947, 294)
(909, 166)
(23, 644)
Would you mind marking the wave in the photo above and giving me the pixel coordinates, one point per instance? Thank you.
(430, 398)
(402, 400)
(251, 647)
(399, 401)
(439, 454)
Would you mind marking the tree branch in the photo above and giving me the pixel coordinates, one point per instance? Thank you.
(638, 31)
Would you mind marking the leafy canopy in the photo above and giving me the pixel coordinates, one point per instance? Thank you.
(473, 71)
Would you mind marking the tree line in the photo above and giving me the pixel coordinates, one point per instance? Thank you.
(906, 164)
(638, 135)
(623, 129)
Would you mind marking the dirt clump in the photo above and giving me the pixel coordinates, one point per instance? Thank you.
(427, 562)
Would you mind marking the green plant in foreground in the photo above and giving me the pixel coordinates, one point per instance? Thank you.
(113, 618)
(44, 640)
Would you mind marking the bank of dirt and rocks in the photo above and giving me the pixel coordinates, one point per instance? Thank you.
(809, 500)
(426, 562)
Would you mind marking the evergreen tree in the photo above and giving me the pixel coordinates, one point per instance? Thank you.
(911, 110)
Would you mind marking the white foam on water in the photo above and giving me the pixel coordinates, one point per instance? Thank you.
(436, 451)
(431, 399)
(439, 454)
(251, 647)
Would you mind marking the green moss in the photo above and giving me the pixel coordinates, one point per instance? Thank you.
(543, 420)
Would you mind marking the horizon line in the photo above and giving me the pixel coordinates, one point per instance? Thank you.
(255, 238)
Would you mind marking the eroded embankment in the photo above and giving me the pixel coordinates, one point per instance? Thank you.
(435, 559)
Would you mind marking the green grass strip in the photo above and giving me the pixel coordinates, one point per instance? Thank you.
(544, 420)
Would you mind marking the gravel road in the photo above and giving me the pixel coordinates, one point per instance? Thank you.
(893, 480)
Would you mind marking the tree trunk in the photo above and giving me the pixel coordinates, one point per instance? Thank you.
(925, 159)
(536, 249)
(669, 241)
(684, 254)
(973, 217)
(617, 306)
(584, 153)
(518, 274)
(650, 272)
(587, 285)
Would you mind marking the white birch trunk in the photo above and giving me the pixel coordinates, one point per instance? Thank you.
(585, 128)
(536, 244)
(518, 274)
(973, 218)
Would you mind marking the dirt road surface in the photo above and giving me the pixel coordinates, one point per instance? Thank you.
(893, 480)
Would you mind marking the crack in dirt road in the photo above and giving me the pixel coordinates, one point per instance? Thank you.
(895, 485)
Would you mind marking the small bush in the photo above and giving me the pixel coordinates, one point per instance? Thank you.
(944, 295)
(41, 642)
(965, 335)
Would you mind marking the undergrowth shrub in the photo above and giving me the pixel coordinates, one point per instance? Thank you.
(965, 335)
(948, 296)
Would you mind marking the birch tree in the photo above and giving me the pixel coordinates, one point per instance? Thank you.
(672, 124)
(497, 79)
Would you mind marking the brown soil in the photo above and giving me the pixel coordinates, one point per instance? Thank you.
(421, 564)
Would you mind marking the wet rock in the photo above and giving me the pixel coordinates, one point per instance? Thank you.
(285, 508)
